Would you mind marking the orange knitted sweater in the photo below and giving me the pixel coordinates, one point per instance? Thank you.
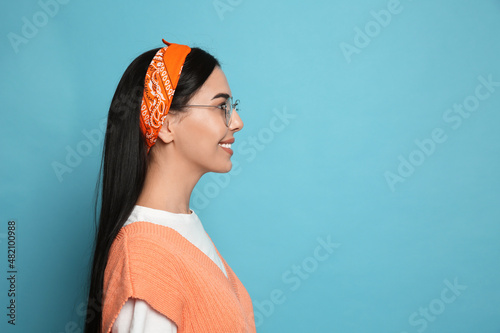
(156, 264)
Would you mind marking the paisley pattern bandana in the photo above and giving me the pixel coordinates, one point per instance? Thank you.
(161, 80)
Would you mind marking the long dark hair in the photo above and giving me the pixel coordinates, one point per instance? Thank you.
(125, 160)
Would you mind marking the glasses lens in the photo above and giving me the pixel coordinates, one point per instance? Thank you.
(229, 110)
(230, 107)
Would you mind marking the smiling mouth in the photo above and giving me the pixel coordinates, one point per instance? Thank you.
(226, 147)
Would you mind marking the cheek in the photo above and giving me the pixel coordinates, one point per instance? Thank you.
(201, 137)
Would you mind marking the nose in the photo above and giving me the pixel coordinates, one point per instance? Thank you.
(236, 122)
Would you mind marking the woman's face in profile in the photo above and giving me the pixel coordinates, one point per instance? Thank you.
(199, 134)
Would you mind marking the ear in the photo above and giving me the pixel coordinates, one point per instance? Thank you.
(166, 133)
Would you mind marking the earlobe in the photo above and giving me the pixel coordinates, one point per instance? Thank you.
(166, 133)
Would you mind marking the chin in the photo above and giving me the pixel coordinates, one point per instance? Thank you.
(226, 168)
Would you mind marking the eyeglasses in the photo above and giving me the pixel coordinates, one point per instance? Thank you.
(227, 107)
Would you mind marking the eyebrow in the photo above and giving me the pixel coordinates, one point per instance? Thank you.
(224, 95)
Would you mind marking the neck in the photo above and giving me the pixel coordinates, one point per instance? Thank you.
(168, 186)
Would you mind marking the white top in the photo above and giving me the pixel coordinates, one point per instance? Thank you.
(136, 316)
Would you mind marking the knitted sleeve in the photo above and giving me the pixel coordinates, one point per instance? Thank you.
(132, 271)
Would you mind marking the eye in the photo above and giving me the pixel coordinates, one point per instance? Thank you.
(223, 106)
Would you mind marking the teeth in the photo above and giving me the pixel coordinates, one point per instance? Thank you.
(225, 145)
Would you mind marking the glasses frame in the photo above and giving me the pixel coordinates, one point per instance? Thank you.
(228, 114)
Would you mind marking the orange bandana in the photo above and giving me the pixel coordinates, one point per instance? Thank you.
(159, 87)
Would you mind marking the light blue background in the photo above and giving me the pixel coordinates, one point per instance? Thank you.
(321, 175)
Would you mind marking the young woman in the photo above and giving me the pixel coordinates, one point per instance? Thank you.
(155, 269)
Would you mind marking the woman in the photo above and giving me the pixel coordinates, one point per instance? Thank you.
(155, 269)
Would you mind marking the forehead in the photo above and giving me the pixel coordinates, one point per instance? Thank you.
(214, 85)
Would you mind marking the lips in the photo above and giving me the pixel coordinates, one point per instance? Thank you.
(226, 145)
(228, 141)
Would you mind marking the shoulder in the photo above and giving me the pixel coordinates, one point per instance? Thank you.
(144, 244)
(146, 234)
